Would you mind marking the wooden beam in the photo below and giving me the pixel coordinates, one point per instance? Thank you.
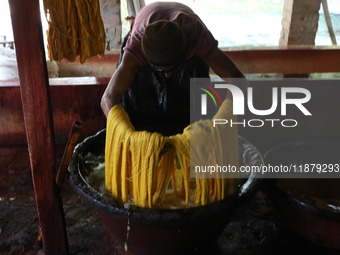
(287, 60)
(36, 103)
(261, 60)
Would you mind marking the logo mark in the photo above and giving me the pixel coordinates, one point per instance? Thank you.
(204, 98)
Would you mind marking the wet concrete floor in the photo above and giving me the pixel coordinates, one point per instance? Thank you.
(254, 229)
(19, 225)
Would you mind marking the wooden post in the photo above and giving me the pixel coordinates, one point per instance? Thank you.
(38, 119)
(299, 22)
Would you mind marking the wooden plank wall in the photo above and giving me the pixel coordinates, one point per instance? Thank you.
(72, 99)
(81, 102)
(79, 97)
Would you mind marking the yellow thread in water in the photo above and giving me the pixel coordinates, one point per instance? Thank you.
(142, 165)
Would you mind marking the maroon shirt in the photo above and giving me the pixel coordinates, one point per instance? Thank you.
(200, 40)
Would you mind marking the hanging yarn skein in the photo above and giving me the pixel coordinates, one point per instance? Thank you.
(75, 28)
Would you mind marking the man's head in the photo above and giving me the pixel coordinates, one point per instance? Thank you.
(164, 45)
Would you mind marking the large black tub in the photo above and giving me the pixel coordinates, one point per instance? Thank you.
(156, 231)
(310, 205)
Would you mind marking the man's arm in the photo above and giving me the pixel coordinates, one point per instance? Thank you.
(222, 65)
(119, 83)
(225, 68)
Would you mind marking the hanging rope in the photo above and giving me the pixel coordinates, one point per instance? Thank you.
(328, 21)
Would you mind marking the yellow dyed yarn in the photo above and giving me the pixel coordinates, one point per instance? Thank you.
(75, 28)
(140, 166)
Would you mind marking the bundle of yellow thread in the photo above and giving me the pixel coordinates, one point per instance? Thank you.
(75, 28)
(139, 169)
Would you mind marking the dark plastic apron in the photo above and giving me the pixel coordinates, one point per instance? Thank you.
(154, 100)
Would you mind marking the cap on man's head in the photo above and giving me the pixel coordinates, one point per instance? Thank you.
(164, 43)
